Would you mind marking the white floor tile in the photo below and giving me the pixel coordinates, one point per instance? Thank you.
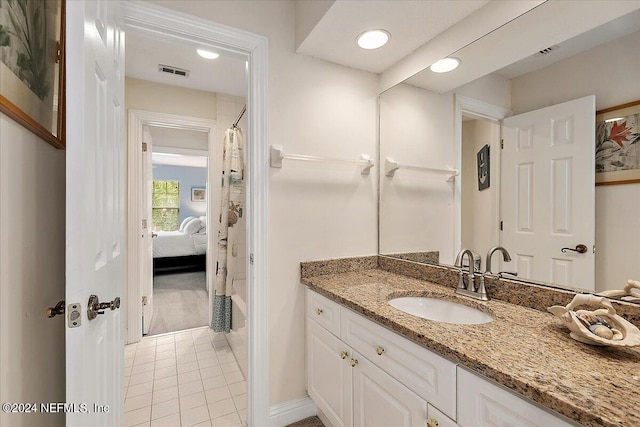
(163, 363)
(192, 401)
(238, 388)
(222, 407)
(144, 367)
(163, 395)
(165, 383)
(187, 367)
(170, 421)
(160, 410)
(138, 389)
(214, 382)
(230, 367)
(194, 416)
(234, 377)
(206, 363)
(240, 401)
(230, 420)
(144, 377)
(217, 394)
(188, 377)
(169, 371)
(137, 402)
(166, 354)
(190, 388)
(138, 416)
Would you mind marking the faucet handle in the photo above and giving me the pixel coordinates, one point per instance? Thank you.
(502, 273)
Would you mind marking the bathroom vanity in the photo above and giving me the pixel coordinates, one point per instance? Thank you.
(370, 364)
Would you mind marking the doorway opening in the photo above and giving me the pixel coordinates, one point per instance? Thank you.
(179, 232)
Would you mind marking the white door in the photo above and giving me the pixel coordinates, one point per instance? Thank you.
(381, 401)
(95, 202)
(146, 242)
(547, 192)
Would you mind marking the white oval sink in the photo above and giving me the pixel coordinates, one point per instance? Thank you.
(440, 310)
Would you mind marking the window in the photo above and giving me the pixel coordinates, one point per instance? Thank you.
(165, 205)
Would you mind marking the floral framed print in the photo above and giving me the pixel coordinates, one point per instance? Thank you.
(618, 144)
(198, 194)
(32, 66)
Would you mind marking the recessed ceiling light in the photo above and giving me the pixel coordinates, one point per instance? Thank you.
(445, 65)
(614, 120)
(207, 54)
(373, 39)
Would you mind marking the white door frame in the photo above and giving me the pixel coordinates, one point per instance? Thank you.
(480, 110)
(136, 281)
(170, 25)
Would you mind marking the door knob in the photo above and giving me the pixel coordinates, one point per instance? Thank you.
(54, 311)
(96, 307)
(581, 249)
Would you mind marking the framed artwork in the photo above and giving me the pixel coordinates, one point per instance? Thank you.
(618, 144)
(32, 66)
(484, 177)
(198, 194)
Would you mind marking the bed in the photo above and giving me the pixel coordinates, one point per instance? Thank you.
(184, 249)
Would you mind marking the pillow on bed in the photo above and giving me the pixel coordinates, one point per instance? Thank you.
(193, 226)
(185, 222)
(203, 230)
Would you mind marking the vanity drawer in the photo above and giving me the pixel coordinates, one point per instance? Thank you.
(430, 376)
(441, 420)
(323, 311)
(483, 403)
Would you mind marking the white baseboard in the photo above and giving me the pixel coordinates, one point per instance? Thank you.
(289, 412)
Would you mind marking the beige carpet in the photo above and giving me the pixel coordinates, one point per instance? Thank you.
(180, 301)
(308, 422)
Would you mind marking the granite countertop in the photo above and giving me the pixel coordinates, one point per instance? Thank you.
(526, 350)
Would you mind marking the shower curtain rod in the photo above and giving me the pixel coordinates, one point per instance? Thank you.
(244, 109)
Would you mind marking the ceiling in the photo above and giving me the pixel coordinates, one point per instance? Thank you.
(411, 24)
(227, 74)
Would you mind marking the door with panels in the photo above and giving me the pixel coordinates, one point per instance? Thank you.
(547, 192)
(95, 193)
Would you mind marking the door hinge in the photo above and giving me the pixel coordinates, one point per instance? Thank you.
(502, 144)
(144, 223)
(501, 226)
(251, 259)
(144, 147)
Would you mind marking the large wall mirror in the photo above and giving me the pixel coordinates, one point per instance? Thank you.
(501, 151)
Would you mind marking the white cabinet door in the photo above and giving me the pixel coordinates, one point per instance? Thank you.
(381, 401)
(547, 192)
(329, 375)
(482, 403)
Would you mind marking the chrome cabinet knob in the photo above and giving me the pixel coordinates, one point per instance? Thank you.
(344, 354)
(432, 422)
(380, 350)
(319, 311)
(354, 362)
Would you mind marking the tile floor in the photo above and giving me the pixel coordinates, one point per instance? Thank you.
(183, 379)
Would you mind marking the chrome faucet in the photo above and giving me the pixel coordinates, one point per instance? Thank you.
(470, 289)
(505, 257)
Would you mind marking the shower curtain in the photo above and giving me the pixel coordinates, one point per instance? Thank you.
(231, 210)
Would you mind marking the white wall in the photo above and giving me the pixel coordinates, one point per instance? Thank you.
(315, 210)
(32, 273)
(416, 212)
(611, 72)
(416, 127)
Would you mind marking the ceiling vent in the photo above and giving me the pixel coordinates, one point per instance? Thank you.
(173, 70)
(549, 49)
